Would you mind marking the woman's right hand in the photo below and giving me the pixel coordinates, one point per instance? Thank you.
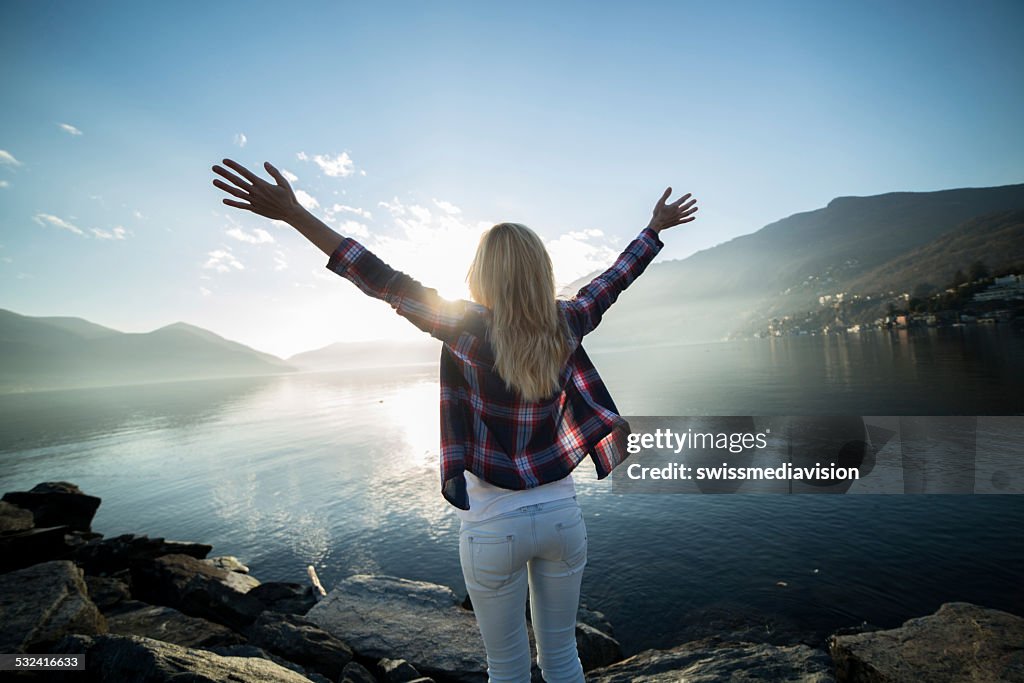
(669, 215)
(276, 202)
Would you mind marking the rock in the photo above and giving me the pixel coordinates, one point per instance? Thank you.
(197, 589)
(57, 503)
(385, 617)
(279, 596)
(960, 642)
(596, 649)
(356, 673)
(229, 563)
(107, 592)
(710, 661)
(113, 554)
(595, 619)
(42, 603)
(14, 518)
(25, 548)
(301, 641)
(135, 659)
(171, 626)
(397, 671)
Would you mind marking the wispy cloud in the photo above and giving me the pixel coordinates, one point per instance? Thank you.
(257, 236)
(447, 207)
(353, 229)
(118, 233)
(7, 159)
(45, 219)
(577, 253)
(362, 213)
(339, 166)
(69, 129)
(279, 262)
(204, 291)
(240, 139)
(222, 261)
(288, 175)
(4, 184)
(307, 200)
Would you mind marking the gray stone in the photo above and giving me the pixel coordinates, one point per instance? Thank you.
(171, 626)
(960, 642)
(43, 603)
(57, 503)
(111, 555)
(229, 563)
(710, 661)
(301, 641)
(355, 672)
(27, 547)
(107, 592)
(134, 659)
(280, 596)
(397, 671)
(14, 518)
(248, 650)
(383, 617)
(197, 589)
(595, 648)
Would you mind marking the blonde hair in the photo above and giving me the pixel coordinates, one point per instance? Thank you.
(512, 275)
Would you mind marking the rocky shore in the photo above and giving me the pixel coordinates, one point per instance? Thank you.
(149, 609)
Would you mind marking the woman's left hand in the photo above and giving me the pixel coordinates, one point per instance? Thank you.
(276, 202)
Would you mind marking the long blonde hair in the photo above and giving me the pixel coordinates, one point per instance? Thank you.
(512, 275)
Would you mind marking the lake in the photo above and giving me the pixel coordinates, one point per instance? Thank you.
(339, 470)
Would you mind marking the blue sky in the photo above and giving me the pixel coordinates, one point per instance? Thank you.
(412, 126)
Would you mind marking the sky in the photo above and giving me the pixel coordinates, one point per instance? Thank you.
(414, 126)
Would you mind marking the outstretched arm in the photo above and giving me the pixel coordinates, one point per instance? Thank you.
(588, 306)
(274, 201)
(422, 306)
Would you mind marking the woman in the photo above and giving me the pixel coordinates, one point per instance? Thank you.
(521, 406)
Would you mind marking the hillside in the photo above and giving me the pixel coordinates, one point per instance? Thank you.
(344, 355)
(786, 265)
(60, 353)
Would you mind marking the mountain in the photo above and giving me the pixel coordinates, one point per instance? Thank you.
(60, 353)
(343, 355)
(995, 239)
(785, 266)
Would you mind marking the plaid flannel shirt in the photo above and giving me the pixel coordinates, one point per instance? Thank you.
(486, 428)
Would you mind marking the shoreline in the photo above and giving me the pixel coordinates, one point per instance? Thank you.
(132, 603)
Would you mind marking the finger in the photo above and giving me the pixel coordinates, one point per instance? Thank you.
(231, 190)
(688, 205)
(682, 199)
(232, 177)
(276, 175)
(238, 205)
(665, 195)
(249, 175)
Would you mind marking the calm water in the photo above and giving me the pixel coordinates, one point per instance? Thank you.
(339, 470)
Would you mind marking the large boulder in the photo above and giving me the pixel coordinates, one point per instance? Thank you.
(281, 596)
(386, 617)
(14, 518)
(960, 642)
(197, 589)
(43, 603)
(169, 625)
(99, 557)
(710, 661)
(596, 648)
(27, 547)
(107, 592)
(134, 659)
(57, 503)
(301, 641)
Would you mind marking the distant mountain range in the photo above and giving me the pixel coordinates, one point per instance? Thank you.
(861, 245)
(63, 353)
(855, 244)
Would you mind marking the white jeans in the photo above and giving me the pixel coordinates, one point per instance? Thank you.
(545, 544)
